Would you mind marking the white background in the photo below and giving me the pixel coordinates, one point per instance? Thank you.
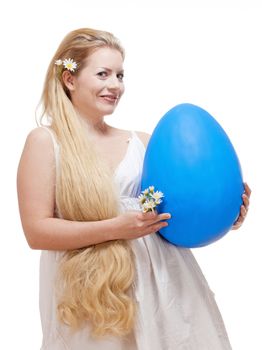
(205, 53)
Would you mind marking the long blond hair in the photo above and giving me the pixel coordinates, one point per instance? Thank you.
(94, 282)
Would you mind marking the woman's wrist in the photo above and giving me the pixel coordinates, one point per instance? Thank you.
(112, 228)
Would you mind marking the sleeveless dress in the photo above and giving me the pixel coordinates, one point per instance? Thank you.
(176, 308)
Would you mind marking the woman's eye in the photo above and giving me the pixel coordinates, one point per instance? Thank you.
(102, 74)
(120, 76)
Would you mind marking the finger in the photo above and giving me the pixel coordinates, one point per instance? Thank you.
(243, 211)
(241, 217)
(245, 201)
(239, 220)
(153, 218)
(247, 189)
(236, 226)
(160, 218)
(164, 216)
(156, 227)
(150, 215)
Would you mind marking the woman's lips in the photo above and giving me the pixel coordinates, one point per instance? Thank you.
(110, 98)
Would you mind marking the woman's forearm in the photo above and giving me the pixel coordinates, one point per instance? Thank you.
(59, 234)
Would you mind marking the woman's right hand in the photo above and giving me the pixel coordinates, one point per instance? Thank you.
(135, 224)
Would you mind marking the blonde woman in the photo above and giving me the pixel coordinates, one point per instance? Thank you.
(107, 280)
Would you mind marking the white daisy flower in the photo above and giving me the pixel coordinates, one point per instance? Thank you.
(142, 198)
(151, 189)
(157, 195)
(149, 199)
(70, 64)
(151, 205)
(148, 206)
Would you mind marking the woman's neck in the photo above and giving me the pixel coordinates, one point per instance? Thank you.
(96, 127)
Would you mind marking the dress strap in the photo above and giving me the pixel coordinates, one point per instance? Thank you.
(55, 144)
(140, 144)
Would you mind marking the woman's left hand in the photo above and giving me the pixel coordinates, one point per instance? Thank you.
(243, 208)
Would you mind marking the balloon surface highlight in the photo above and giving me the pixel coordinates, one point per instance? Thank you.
(192, 161)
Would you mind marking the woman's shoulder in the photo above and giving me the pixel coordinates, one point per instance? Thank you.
(39, 136)
(38, 151)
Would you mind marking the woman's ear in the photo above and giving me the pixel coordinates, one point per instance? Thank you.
(68, 80)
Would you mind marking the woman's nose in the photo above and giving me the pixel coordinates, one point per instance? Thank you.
(113, 83)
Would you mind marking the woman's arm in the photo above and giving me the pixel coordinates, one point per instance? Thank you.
(36, 196)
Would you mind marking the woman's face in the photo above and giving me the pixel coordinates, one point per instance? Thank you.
(97, 89)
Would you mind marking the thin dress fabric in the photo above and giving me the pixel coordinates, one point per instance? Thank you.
(176, 308)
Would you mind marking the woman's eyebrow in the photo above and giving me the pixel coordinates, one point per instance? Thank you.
(110, 70)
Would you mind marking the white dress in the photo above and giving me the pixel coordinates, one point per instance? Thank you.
(176, 308)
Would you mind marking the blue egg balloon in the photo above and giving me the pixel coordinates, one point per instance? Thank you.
(192, 161)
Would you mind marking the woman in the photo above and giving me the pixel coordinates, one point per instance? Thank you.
(107, 280)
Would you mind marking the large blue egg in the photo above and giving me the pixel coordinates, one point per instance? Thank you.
(192, 161)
